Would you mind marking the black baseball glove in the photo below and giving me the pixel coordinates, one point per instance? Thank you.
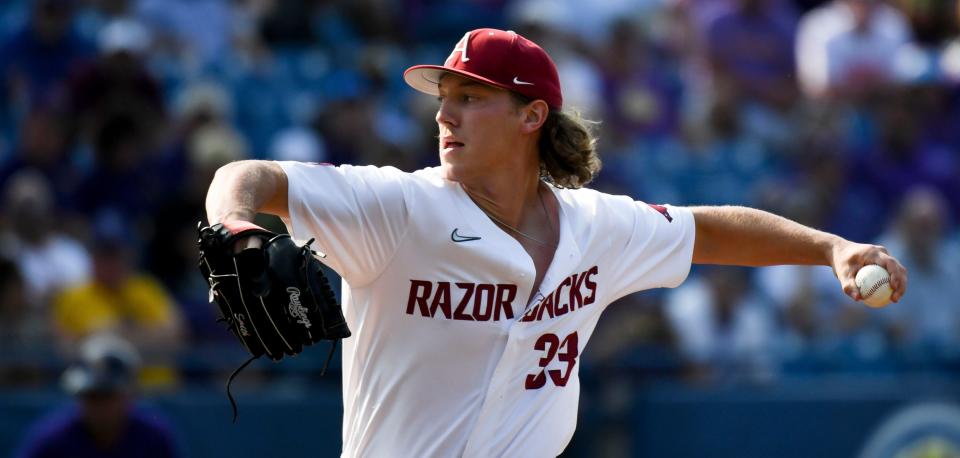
(275, 298)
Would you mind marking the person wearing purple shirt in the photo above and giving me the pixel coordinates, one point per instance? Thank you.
(105, 422)
(908, 149)
(750, 51)
(68, 433)
(642, 89)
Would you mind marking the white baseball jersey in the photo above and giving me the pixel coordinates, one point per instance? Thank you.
(447, 358)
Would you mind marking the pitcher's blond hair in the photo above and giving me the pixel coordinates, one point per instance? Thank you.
(568, 148)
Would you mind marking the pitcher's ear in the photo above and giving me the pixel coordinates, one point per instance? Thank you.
(534, 115)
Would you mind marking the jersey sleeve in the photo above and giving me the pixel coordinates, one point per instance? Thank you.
(357, 214)
(657, 248)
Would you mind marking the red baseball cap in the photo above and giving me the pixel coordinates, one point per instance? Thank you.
(499, 58)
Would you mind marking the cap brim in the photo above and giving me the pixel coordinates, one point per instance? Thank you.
(426, 78)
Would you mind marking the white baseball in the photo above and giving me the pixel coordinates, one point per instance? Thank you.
(874, 284)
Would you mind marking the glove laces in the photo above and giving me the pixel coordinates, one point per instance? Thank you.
(233, 403)
(233, 375)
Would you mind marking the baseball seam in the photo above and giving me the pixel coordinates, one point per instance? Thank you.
(875, 287)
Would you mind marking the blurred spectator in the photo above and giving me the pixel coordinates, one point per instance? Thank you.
(722, 328)
(35, 60)
(847, 47)
(201, 106)
(123, 300)
(118, 81)
(926, 321)
(105, 420)
(122, 181)
(750, 51)
(687, 25)
(44, 146)
(642, 89)
(42, 261)
(727, 160)
(48, 259)
(911, 146)
(839, 194)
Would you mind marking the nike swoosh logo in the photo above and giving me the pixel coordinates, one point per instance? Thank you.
(457, 238)
(516, 80)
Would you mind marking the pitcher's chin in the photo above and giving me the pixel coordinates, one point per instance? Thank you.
(448, 172)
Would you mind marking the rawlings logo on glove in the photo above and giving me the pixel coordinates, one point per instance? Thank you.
(274, 298)
(296, 309)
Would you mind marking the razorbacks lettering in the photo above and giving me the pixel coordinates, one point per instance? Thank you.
(461, 301)
(557, 303)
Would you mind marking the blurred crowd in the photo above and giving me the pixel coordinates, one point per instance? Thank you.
(841, 114)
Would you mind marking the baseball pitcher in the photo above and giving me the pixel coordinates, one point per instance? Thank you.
(471, 289)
